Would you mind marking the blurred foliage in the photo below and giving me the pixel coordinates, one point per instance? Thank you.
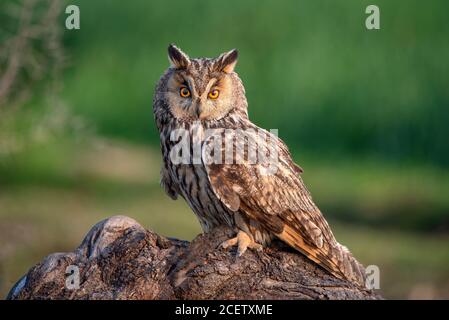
(364, 113)
(30, 48)
(310, 68)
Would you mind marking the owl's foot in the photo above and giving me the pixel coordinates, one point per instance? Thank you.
(243, 241)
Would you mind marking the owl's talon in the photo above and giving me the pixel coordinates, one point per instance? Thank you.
(256, 246)
(240, 252)
(229, 243)
(243, 242)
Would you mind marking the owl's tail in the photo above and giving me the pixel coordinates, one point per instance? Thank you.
(334, 257)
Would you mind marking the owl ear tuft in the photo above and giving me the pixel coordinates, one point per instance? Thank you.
(177, 58)
(226, 61)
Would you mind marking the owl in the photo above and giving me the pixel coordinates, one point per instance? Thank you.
(195, 97)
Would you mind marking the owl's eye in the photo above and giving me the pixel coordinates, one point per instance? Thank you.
(184, 92)
(214, 94)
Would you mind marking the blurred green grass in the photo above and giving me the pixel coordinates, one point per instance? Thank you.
(364, 113)
(310, 68)
(59, 198)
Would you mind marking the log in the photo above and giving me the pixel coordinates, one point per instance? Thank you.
(119, 259)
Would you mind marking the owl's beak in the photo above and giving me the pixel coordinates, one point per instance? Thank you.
(199, 110)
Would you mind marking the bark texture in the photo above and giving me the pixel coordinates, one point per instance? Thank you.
(119, 259)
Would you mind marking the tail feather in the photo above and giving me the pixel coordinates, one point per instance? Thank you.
(335, 258)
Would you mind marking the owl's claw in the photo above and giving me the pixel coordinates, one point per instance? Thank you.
(243, 242)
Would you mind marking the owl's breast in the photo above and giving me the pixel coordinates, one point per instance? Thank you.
(196, 190)
(183, 162)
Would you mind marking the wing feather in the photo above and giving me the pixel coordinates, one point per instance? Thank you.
(276, 198)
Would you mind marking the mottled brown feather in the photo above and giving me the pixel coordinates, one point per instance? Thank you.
(239, 194)
(281, 203)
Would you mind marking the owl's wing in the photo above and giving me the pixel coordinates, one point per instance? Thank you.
(272, 193)
(167, 184)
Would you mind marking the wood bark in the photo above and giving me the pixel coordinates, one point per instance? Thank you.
(119, 259)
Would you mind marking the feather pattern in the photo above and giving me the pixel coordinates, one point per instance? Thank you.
(266, 198)
(279, 201)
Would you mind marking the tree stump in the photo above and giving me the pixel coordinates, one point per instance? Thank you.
(119, 259)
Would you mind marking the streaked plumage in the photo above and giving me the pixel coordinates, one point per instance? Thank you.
(259, 206)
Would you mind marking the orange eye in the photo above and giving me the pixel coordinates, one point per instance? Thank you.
(184, 92)
(214, 94)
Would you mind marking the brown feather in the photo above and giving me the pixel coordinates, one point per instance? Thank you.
(244, 195)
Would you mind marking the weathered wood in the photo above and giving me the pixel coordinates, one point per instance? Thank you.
(119, 259)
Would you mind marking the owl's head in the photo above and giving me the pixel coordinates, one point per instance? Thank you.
(199, 89)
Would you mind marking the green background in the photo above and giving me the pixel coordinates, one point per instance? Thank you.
(365, 113)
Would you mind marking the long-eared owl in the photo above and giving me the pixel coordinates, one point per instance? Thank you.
(195, 97)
